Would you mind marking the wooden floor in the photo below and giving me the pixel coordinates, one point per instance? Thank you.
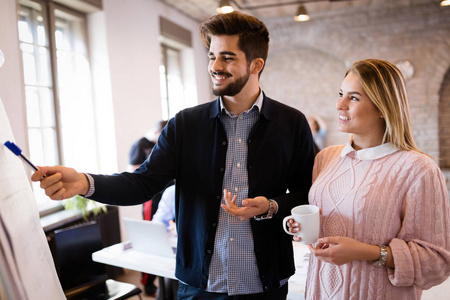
(134, 277)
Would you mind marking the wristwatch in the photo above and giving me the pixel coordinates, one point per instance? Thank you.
(383, 257)
(269, 213)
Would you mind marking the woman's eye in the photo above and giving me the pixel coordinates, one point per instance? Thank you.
(354, 98)
(340, 95)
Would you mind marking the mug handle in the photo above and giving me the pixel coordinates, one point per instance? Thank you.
(285, 225)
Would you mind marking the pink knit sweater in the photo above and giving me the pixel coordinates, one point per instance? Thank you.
(380, 196)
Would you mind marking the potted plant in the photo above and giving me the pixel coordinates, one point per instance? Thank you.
(85, 206)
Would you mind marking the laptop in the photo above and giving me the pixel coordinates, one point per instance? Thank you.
(150, 237)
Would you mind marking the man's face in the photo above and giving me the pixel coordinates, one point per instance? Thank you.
(228, 65)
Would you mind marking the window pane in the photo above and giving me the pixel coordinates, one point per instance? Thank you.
(171, 82)
(163, 88)
(43, 146)
(36, 65)
(174, 82)
(75, 93)
(40, 110)
(31, 24)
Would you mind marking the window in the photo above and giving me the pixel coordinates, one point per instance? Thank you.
(177, 70)
(172, 89)
(58, 89)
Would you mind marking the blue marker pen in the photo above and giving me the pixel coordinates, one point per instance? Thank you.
(17, 151)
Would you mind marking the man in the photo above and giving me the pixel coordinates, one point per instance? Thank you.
(243, 142)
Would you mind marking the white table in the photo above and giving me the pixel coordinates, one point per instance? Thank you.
(122, 255)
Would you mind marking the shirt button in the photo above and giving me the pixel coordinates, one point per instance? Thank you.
(241, 117)
(231, 239)
(224, 143)
(238, 165)
(222, 169)
(240, 140)
(218, 197)
(235, 189)
(208, 251)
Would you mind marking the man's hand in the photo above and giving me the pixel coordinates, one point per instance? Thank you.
(251, 207)
(60, 182)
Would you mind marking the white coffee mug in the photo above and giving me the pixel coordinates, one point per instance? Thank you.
(308, 216)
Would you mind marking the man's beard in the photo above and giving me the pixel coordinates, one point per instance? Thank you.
(231, 89)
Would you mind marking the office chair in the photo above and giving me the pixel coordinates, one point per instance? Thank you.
(81, 278)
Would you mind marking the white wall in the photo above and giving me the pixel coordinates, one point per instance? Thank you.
(134, 52)
(11, 90)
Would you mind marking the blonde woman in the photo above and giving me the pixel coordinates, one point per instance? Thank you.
(385, 207)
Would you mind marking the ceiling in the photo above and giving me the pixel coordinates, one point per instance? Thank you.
(201, 10)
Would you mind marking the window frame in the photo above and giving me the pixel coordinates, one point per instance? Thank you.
(49, 15)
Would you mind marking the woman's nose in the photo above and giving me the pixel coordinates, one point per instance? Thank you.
(341, 104)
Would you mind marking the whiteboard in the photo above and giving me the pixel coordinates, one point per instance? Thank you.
(27, 271)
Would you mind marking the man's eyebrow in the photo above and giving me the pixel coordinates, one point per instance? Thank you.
(223, 53)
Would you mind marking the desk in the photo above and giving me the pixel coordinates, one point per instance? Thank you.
(165, 267)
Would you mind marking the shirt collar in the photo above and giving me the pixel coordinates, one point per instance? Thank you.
(369, 153)
(258, 103)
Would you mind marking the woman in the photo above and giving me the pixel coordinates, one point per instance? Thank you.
(385, 207)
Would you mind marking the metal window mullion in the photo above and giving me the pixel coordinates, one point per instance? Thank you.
(54, 68)
(166, 77)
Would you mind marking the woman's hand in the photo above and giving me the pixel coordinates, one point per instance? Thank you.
(341, 250)
(294, 227)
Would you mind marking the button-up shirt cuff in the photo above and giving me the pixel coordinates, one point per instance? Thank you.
(91, 185)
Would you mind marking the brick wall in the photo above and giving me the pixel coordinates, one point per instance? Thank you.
(444, 123)
(316, 54)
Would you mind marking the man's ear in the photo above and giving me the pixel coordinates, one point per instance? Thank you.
(256, 65)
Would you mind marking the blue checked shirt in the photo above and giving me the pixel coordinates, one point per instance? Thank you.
(233, 268)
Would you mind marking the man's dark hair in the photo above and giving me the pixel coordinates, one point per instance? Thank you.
(253, 34)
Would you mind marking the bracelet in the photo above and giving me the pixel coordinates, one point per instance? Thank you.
(383, 257)
(269, 214)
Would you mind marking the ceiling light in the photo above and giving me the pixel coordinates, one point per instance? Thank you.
(302, 15)
(445, 3)
(224, 7)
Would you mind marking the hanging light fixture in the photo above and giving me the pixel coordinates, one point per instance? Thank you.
(301, 15)
(224, 7)
(445, 2)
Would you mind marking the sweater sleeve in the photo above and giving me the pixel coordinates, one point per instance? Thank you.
(421, 250)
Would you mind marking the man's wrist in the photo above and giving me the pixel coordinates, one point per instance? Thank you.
(273, 208)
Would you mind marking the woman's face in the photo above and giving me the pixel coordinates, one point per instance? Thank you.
(358, 114)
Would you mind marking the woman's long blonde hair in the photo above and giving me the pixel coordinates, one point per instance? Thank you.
(384, 85)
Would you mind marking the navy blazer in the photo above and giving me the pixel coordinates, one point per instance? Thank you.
(192, 149)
